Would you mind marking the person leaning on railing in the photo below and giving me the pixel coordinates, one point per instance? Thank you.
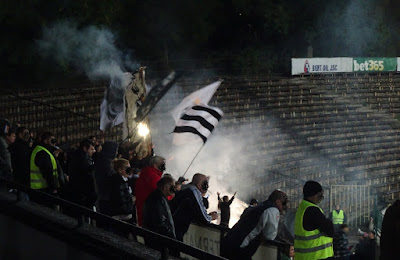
(157, 215)
(188, 205)
(260, 222)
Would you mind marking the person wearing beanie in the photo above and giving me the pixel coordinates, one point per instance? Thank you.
(313, 232)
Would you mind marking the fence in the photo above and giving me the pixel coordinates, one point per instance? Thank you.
(200, 242)
(354, 200)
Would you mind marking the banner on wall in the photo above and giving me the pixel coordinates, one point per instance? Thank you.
(321, 65)
(361, 64)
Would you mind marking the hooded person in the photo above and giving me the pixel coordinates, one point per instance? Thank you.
(313, 232)
(103, 170)
(147, 183)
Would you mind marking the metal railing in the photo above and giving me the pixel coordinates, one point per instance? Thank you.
(165, 243)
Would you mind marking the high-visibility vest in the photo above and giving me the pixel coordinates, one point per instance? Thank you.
(310, 245)
(337, 218)
(37, 179)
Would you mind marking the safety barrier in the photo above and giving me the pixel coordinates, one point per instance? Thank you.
(9, 206)
(208, 238)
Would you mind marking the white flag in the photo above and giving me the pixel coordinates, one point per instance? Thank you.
(112, 108)
(201, 96)
(196, 124)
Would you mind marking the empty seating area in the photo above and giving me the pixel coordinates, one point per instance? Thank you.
(71, 113)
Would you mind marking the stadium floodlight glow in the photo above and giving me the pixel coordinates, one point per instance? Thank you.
(143, 130)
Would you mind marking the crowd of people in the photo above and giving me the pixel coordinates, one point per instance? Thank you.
(102, 176)
(99, 175)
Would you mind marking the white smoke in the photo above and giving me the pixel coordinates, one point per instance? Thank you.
(90, 50)
(240, 154)
(224, 157)
(352, 28)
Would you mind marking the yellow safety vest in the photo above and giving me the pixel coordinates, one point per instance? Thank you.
(310, 245)
(37, 179)
(337, 218)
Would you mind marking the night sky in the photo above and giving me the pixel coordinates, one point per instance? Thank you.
(231, 37)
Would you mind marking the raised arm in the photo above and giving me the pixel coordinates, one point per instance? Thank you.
(233, 197)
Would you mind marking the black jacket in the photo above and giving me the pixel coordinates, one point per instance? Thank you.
(185, 209)
(230, 244)
(104, 170)
(390, 238)
(225, 210)
(315, 219)
(365, 249)
(81, 182)
(20, 160)
(157, 215)
(121, 196)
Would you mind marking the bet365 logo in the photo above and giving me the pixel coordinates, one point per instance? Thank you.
(368, 65)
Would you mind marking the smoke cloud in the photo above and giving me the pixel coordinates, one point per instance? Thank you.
(224, 157)
(352, 28)
(90, 50)
(250, 154)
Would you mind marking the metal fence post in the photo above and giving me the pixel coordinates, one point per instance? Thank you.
(66, 127)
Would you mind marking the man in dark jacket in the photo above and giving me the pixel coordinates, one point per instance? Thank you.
(244, 238)
(20, 155)
(81, 183)
(390, 238)
(224, 205)
(102, 175)
(253, 204)
(365, 249)
(188, 205)
(156, 212)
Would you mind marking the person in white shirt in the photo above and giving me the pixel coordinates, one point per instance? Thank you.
(242, 240)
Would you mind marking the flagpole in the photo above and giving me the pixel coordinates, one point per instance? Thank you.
(193, 159)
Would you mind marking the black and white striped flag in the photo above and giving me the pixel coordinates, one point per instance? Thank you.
(196, 124)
